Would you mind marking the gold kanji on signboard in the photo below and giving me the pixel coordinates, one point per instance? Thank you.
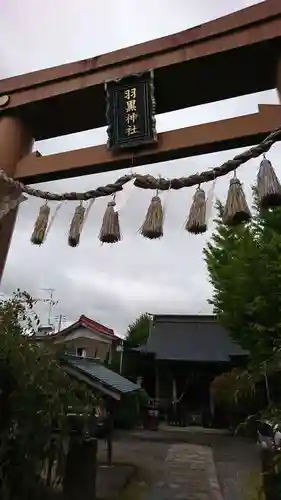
(131, 118)
(131, 130)
(131, 111)
(130, 94)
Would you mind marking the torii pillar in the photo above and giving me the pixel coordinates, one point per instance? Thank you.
(15, 142)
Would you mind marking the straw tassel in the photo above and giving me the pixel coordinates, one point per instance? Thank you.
(196, 222)
(76, 226)
(40, 225)
(236, 208)
(268, 185)
(152, 227)
(110, 229)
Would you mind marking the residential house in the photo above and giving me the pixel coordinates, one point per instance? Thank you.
(85, 348)
(85, 338)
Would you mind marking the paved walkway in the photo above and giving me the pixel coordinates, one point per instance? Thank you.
(188, 473)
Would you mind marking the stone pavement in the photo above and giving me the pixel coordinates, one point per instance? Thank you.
(188, 473)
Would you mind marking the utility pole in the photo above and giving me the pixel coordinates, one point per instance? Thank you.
(121, 357)
(60, 319)
(120, 348)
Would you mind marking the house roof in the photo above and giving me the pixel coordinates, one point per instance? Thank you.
(89, 323)
(99, 376)
(190, 338)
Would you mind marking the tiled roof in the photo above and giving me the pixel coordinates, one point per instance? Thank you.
(88, 323)
(95, 325)
(190, 338)
(100, 373)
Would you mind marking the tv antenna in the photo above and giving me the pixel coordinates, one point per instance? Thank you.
(50, 301)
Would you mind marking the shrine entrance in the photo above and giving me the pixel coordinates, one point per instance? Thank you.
(232, 56)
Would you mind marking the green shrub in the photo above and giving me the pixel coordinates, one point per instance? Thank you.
(38, 399)
(127, 413)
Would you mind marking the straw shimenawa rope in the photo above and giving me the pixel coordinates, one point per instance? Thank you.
(150, 182)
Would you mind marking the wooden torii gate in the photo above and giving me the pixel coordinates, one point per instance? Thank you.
(232, 56)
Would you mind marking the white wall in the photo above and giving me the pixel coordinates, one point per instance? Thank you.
(87, 334)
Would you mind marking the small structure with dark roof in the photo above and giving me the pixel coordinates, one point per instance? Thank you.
(100, 378)
(182, 356)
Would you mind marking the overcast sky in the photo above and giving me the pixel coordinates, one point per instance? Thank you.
(113, 284)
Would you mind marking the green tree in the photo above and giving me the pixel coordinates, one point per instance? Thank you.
(136, 335)
(138, 331)
(244, 265)
(39, 396)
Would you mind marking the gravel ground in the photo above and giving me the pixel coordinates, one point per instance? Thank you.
(236, 460)
(146, 455)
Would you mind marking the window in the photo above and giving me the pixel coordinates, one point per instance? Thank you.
(81, 352)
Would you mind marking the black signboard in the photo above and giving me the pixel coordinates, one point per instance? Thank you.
(130, 111)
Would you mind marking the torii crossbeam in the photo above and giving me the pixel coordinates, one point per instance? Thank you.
(232, 56)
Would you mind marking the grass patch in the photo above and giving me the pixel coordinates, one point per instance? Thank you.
(253, 487)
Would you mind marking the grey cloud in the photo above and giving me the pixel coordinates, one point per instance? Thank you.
(114, 284)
